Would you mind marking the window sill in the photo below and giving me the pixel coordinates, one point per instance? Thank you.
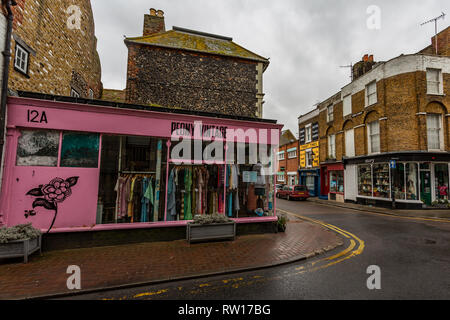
(436, 94)
(26, 75)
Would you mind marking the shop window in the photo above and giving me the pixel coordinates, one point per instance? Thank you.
(79, 150)
(374, 137)
(399, 181)
(310, 183)
(337, 181)
(434, 84)
(132, 180)
(38, 148)
(411, 181)
(441, 181)
(381, 187)
(365, 180)
(371, 93)
(434, 132)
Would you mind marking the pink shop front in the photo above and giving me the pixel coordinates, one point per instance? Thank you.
(79, 167)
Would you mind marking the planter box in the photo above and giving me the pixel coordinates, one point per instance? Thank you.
(206, 232)
(20, 248)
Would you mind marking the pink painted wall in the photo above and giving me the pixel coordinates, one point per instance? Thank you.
(78, 211)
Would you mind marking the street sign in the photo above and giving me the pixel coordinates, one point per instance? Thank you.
(393, 164)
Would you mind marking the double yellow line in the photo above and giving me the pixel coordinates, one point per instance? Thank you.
(356, 245)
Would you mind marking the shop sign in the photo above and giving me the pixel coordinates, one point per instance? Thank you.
(393, 164)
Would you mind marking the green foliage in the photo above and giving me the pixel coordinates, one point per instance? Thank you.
(19, 232)
(211, 219)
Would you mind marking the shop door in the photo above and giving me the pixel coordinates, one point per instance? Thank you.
(425, 187)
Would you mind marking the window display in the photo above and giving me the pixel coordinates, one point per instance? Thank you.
(132, 180)
(337, 181)
(398, 182)
(381, 187)
(441, 181)
(411, 181)
(365, 180)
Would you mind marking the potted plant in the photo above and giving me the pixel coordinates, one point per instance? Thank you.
(211, 227)
(19, 241)
(282, 222)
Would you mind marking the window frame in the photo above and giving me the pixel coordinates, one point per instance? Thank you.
(347, 107)
(330, 115)
(369, 95)
(309, 160)
(370, 135)
(439, 82)
(308, 133)
(332, 146)
(26, 61)
(440, 132)
(76, 95)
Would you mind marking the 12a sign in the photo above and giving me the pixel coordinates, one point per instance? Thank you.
(35, 116)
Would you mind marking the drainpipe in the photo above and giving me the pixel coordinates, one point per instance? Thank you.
(5, 79)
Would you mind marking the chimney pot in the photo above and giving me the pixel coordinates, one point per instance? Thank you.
(365, 58)
(153, 12)
(371, 58)
(160, 13)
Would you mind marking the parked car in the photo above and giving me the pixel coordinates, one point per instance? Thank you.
(293, 192)
(278, 187)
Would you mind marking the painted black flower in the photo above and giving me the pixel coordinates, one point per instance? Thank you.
(49, 195)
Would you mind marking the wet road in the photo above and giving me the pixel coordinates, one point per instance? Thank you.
(413, 257)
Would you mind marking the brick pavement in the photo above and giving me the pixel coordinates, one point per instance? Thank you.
(109, 267)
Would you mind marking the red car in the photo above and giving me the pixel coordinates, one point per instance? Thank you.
(293, 192)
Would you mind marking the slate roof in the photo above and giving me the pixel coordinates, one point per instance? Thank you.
(191, 40)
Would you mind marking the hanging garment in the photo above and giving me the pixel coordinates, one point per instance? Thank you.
(236, 201)
(144, 201)
(171, 200)
(187, 194)
(230, 204)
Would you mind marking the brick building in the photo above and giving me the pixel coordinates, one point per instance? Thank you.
(193, 70)
(309, 156)
(287, 159)
(54, 49)
(385, 135)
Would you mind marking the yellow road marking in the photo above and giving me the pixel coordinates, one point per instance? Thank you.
(150, 293)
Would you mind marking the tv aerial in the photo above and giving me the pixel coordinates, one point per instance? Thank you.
(435, 20)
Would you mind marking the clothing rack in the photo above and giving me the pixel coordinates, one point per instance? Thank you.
(137, 172)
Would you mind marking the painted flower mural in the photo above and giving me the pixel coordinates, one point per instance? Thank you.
(49, 195)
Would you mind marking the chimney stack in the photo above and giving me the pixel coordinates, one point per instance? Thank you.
(154, 22)
(363, 66)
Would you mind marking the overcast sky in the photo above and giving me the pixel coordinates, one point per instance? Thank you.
(307, 41)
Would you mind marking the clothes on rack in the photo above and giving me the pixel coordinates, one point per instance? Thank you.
(135, 197)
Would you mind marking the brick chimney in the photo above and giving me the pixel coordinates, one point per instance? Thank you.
(154, 22)
(363, 66)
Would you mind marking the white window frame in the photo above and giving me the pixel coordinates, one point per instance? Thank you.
(281, 176)
(292, 154)
(440, 134)
(309, 160)
(439, 82)
(74, 93)
(347, 105)
(332, 146)
(330, 115)
(369, 94)
(350, 152)
(21, 56)
(308, 133)
(281, 156)
(370, 134)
